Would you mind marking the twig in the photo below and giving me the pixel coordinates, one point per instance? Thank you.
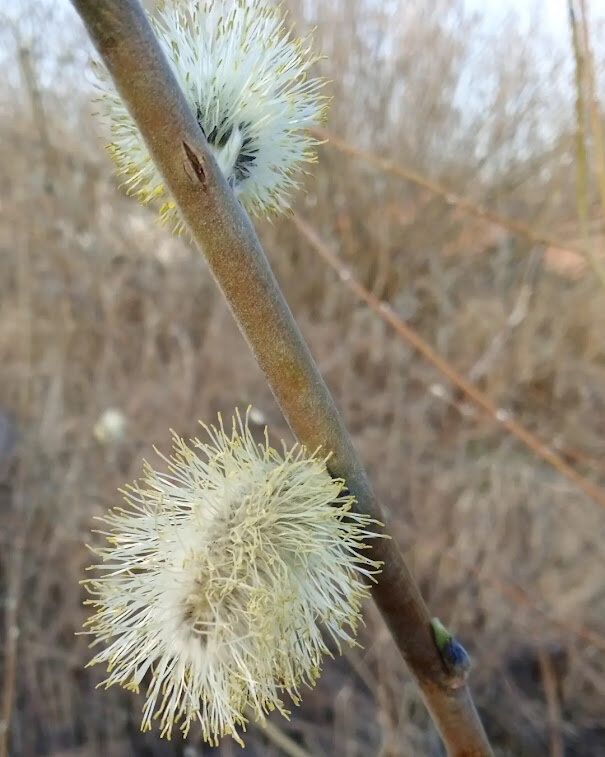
(517, 316)
(38, 112)
(593, 108)
(282, 740)
(535, 235)
(11, 614)
(503, 417)
(581, 151)
(123, 37)
(552, 702)
(15, 554)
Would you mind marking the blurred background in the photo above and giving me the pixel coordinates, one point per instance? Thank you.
(464, 187)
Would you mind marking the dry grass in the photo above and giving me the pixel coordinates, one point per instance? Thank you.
(100, 308)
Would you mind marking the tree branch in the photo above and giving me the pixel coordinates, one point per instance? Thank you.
(124, 38)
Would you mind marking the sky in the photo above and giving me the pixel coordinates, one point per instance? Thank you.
(68, 40)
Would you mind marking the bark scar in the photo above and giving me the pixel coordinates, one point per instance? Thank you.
(196, 164)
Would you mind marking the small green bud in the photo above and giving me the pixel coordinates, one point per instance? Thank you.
(454, 656)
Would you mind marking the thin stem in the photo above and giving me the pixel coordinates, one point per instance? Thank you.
(581, 150)
(549, 681)
(224, 233)
(593, 107)
(468, 206)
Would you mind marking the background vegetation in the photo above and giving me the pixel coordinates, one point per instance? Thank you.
(100, 308)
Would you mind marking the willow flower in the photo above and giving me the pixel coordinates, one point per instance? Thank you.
(247, 83)
(223, 579)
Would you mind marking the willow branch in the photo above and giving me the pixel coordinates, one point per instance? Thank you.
(224, 233)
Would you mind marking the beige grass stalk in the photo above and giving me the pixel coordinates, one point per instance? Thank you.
(582, 173)
(224, 233)
(593, 107)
